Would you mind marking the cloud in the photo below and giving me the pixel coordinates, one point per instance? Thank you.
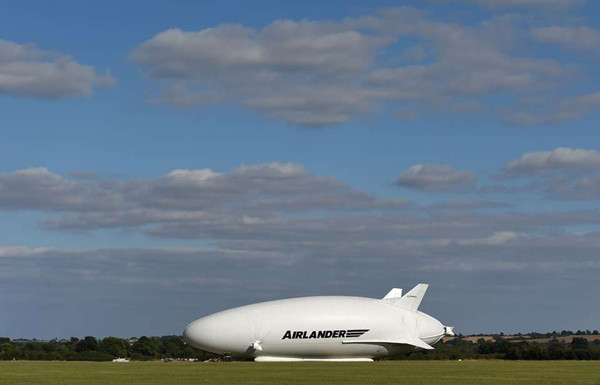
(497, 238)
(23, 251)
(436, 177)
(545, 112)
(260, 203)
(507, 4)
(563, 173)
(317, 48)
(276, 225)
(306, 256)
(201, 194)
(585, 188)
(466, 205)
(303, 72)
(583, 39)
(557, 4)
(470, 61)
(28, 71)
(561, 159)
(320, 73)
(39, 189)
(273, 170)
(267, 187)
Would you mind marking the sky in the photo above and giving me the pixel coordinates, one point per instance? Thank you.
(162, 162)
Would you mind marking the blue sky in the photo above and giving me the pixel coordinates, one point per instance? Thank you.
(163, 162)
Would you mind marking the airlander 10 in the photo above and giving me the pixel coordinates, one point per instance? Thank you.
(320, 328)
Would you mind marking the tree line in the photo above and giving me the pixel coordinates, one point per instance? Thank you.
(153, 348)
(92, 349)
(579, 348)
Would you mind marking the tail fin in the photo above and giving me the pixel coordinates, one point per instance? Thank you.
(413, 298)
(394, 293)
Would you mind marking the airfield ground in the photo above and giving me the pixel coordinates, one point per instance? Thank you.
(397, 372)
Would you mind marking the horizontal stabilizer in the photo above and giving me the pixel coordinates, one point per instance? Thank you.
(415, 341)
(413, 298)
(394, 293)
(418, 343)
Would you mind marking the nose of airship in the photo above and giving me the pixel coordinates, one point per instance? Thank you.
(194, 334)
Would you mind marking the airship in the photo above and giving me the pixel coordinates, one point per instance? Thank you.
(321, 328)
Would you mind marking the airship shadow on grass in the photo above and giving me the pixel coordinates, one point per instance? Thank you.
(325, 328)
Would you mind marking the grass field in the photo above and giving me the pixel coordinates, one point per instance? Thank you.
(399, 372)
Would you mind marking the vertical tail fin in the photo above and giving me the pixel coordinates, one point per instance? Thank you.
(413, 298)
(394, 293)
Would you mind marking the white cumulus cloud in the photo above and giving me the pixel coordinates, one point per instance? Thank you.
(436, 177)
(558, 160)
(320, 73)
(26, 70)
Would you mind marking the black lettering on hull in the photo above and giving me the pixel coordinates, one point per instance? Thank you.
(318, 334)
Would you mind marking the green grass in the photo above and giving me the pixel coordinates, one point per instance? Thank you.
(399, 372)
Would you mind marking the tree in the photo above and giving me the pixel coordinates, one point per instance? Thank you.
(580, 343)
(114, 346)
(89, 343)
(145, 348)
(173, 347)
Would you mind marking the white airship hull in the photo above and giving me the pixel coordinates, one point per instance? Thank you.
(293, 359)
(315, 328)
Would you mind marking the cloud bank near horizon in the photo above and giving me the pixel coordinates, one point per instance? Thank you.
(262, 225)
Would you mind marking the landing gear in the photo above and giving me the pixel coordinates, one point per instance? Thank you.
(226, 357)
